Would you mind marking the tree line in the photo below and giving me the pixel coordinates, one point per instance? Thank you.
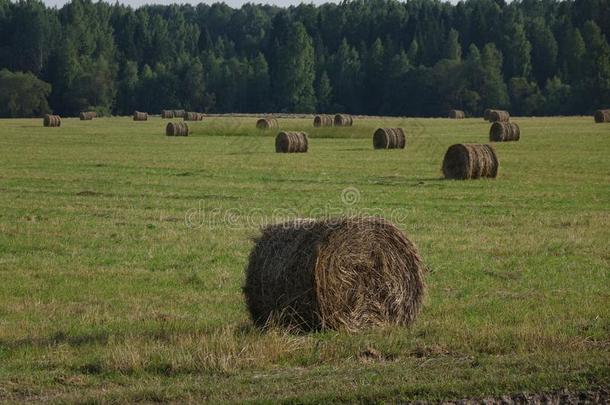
(378, 57)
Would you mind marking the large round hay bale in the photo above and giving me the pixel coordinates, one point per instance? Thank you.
(140, 116)
(343, 120)
(267, 123)
(504, 132)
(323, 120)
(470, 161)
(602, 116)
(457, 114)
(343, 273)
(291, 142)
(179, 113)
(177, 129)
(167, 114)
(50, 120)
(499, 115)
(193, 116)
(389, 138)
(87, 115)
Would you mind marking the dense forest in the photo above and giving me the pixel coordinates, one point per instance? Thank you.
(419, 58)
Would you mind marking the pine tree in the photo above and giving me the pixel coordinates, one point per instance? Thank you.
(324, 93)
(294, 73)
(595, 84)
(453, 49)
(544, 51)
(494, 92)
(413, 52)
(259, 90)
(518, 58)
(347, 78)
(375, 77)
(574, 54)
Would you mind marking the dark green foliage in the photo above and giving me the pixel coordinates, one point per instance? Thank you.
(544, 50)
(373, 57)
(23, 95)
(293, 71)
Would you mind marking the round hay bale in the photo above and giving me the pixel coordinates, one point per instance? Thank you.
(504, 132)
(339, 274)
(343, 120)
(177, 129)
(486, 114)
(167, 114)
(267, 123)
(499, 115)
(50, 120)
(87, 115)
(140, 116)
(457, 114)
(389, 138)
(291, 142)
(322, 121)
(602, 116)
(179, 113)
(470, 161)
(193, 116)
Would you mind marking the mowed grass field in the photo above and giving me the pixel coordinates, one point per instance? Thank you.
(122, 255)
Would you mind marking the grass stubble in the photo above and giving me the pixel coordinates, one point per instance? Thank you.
(107, 295)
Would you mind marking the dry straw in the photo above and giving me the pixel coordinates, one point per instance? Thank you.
(343, 120)
(177, 129)
(87, 115)
(140, 116)
(267, 123)
(504, 132)
(457, 114)
(193, 116)
(179, 113)
(389, 138)
(51, 120)
(486, 114)
(602, 116)
(291, 142)
(323, 121)
(167, 114)
(339, 274)
(499, 115)
(470, 161)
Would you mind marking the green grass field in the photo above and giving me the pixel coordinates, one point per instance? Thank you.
(122, 255)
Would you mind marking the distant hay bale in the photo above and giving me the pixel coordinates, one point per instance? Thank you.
(267, 123)
(457, 114)
(291, 142)
(504, 132)
(602, 116)
(167, 114)
(499, 116)
(470, 161)
(179, 113)
(87, 115)
(51, 120)
(338, 274)
(140, 116)
(389, 138)
(193, 116)
(323, 120)
(177, 129)
(343, 120)
(486, 114)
